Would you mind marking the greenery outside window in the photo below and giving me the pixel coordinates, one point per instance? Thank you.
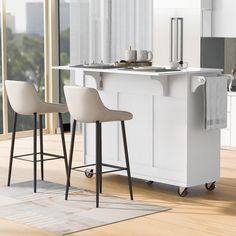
(25, 49)
(22, 55)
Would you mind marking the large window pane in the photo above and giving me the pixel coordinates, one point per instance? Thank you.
(25, 49)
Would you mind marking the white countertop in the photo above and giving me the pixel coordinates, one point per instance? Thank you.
(231, 93)
(136, 72)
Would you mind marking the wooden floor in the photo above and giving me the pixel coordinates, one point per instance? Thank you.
(200, 213)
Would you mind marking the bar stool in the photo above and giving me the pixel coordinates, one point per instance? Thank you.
(85, 105)
(25, 100)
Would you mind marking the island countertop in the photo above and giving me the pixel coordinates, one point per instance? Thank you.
(189, 70)
(195, 74)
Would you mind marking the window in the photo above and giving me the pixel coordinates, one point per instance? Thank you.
(25, 49)
(25, 54)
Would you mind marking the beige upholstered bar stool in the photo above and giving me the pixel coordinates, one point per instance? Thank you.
(85, 105)
(25, 100)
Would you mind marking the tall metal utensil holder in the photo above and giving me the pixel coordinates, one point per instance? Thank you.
(176, 39)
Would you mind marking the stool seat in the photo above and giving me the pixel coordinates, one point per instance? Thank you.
(113, 115)
(86, 106)
(51, 108)
(25, 100)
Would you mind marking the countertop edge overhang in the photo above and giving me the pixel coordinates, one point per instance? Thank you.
(135, 72)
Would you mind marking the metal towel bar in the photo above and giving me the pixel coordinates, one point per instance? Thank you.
(198, 81)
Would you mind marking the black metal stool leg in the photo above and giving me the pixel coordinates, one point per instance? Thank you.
(35, 152)
(63, 142)
(127, 159)
(70, 159)
(12, 148)
(98, 157)
(41, 145)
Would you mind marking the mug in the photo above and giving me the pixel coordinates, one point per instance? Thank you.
(183, 65)
(144, 55)
(130, 55)
(174, 64)
(178, 65)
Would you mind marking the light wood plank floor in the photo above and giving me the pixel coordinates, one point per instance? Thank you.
(200, 213)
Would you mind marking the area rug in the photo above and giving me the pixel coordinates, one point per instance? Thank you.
(47, 209)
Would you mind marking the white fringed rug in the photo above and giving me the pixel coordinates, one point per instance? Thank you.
(48, 210)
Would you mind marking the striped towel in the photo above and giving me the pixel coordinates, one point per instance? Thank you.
(216, 102)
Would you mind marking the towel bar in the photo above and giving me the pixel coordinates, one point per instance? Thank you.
(230, 77)
(197, 81)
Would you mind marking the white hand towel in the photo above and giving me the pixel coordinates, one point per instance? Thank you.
(216, 102)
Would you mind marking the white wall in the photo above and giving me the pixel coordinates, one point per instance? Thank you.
(178, 3)
(206, 4)
(224, 18)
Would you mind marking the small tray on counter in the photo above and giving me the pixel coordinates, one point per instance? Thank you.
(121, 64)
(95, 66)
(150, 69)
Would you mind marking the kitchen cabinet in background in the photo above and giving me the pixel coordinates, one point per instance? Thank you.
(223, 18)
(228, 135)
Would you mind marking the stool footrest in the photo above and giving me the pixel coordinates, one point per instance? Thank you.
(24, 155)
(118, 168)
(112, 166)
(53, 155)
(19, 157)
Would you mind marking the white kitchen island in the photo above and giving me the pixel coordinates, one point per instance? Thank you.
(167, 139)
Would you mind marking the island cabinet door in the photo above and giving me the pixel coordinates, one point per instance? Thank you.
(156, 137)
(139, 130)
(170, 140)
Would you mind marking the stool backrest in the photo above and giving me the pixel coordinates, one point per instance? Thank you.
(22, 96)
(84, 104)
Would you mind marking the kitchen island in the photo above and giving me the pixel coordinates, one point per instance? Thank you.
(167, 139)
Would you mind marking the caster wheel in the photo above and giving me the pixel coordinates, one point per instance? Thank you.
(89, 173)
(149, 182)
(210, 186)
(183, 192)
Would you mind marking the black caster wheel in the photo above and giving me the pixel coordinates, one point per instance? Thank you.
(210, 186)
(149, 182)
(183, 192)
(89, 173)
